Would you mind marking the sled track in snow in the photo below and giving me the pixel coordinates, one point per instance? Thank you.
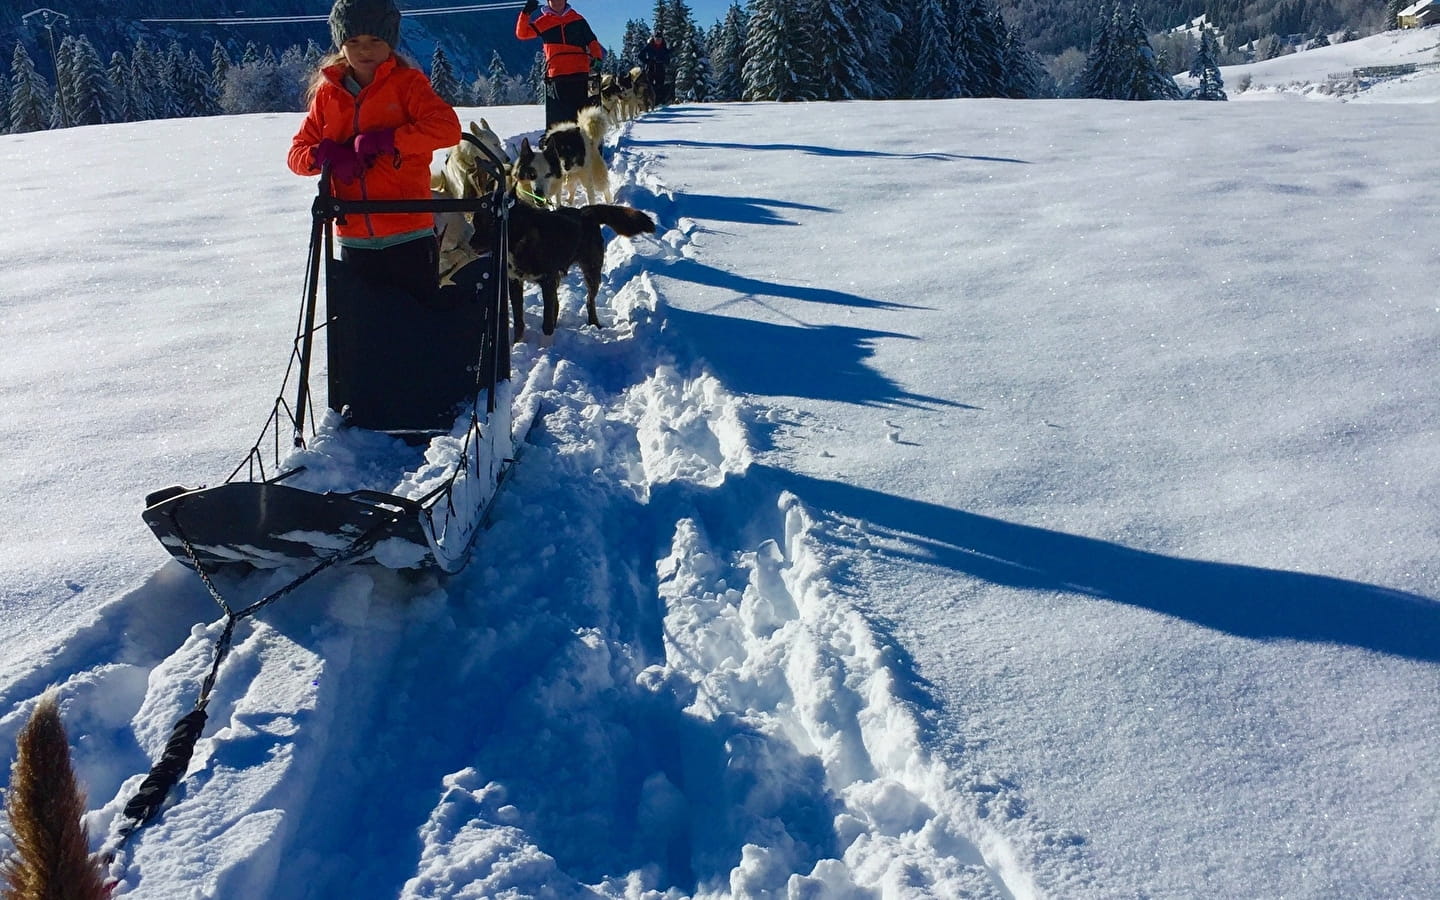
(647, 680)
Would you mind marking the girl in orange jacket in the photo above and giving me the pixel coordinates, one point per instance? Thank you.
(376, 122)
(570, 45)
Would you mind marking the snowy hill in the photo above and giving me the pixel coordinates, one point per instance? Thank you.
(1328, 72)
(963, 499)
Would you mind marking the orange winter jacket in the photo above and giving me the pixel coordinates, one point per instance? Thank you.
(401, 98)
(569, 42)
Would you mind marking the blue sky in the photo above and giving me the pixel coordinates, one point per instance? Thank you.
(608, 17)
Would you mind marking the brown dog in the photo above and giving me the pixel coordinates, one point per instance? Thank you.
(546, 243)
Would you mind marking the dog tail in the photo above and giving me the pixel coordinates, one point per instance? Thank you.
(622, 219)
(45, 805)
(593, 122)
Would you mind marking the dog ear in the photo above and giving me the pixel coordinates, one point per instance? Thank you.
(475, 129)
(484, 124)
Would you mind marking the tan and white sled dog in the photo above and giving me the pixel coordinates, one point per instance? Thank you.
(463, 178)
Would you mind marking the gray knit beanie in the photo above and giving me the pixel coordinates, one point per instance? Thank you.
(352, 18)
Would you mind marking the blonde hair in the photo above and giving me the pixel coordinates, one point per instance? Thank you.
(317, 78)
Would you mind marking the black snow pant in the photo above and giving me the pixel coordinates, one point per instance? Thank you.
(565, 96)
(413, 267)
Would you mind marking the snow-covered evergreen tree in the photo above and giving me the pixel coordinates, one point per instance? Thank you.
(1142, 78)
(496, 88)
(60, 115)
(30, 94)
(91, 100)
(1025, 76)
(119, 73)
(4, 104)
(690, 62)
(537, 78)
(146, 99)
(219, 65)
(885, 34)
(195, 91)
(980, 39)
(442, 77)
(839, 53)
(175, 98)
(637, 35)
(933, 74)
(1101, 75)
(1206, 70)
(727, 52)
(778, 65)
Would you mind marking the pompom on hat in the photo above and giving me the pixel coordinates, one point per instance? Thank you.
(352, 18)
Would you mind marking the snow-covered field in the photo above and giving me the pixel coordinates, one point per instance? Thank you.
(964, 499)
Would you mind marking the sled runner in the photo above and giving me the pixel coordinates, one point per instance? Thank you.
(425, 370)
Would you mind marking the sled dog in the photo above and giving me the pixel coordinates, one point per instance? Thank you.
(546, 243)
(463, 178)
(567, 158)
(45, 806)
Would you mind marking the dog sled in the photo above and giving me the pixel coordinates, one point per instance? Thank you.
(430, 372)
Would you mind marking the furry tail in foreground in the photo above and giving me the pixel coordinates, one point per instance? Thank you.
(45, 805)
(623, 220)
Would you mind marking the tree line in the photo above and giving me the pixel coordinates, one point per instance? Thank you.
(785, 50)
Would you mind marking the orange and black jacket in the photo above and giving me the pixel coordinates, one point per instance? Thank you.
(569, 42)
(401, 98)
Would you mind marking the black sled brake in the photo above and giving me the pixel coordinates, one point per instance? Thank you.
(416, 368)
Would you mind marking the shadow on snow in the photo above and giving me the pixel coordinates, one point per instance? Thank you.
(1245, 601)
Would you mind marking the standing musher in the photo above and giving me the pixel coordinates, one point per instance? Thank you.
(570, 46)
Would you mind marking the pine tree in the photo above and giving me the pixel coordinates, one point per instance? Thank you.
(981, 40)
(4, 105)
(727, 55)
(1142, 78)
(219, 65)
(495, 91)
(1100, 76)
(537, 78)
(1025, 77)
(838, 51)
(146, 99)
(1321, 39)
(195, 93)
(933, 75)
(91, 100)
(662, 25)
(442, 77)
(30, 95)
(690, 63)
(60, 115)
(637, 35)
(888, 49)
(118, 71)
(1206, 70)
(771, 70)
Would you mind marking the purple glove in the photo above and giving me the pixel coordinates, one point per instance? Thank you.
(344, 164)
(371, 145)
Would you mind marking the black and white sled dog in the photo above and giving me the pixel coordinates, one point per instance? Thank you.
(45, 806)
(567, 159)
(546, 243)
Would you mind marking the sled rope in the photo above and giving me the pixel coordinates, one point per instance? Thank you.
(175, 758)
